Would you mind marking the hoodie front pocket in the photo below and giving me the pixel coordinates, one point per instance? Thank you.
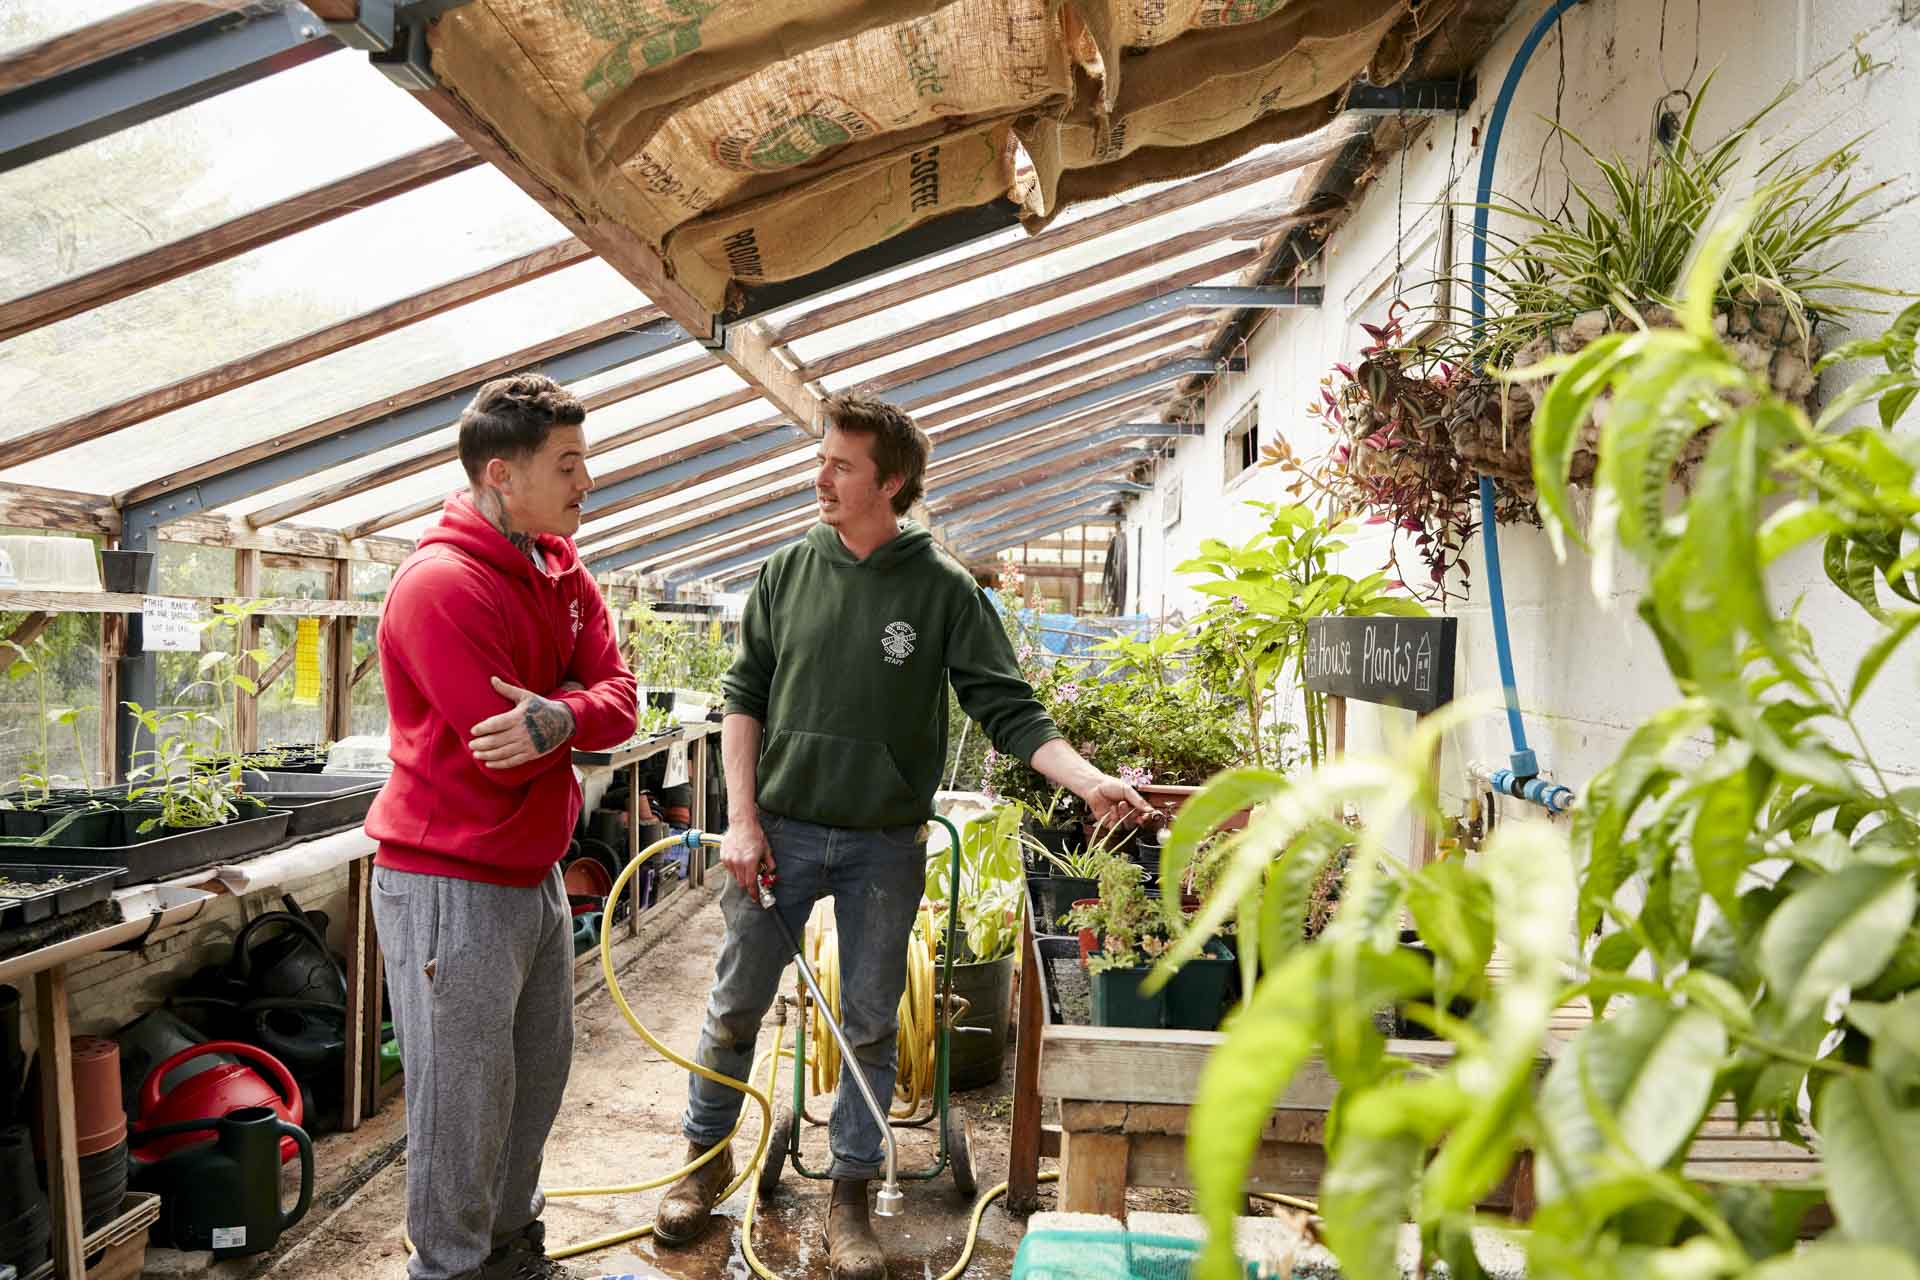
(835, 781)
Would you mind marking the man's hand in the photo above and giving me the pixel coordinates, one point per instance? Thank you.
(1114, 803)
(743, 851)
(533, 727)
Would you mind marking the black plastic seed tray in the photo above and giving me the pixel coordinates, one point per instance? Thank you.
(319, 802)
(80, 887)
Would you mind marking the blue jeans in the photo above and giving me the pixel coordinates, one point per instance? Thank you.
(876, 879)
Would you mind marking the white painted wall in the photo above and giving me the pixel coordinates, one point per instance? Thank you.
(1588, 671)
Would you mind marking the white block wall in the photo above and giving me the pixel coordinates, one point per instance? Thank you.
(1588, 671)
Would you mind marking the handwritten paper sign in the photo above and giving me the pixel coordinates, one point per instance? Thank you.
(1399, 662)
(676, 766)
(169, 624)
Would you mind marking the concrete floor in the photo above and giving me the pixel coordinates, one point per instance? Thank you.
(621, 1124)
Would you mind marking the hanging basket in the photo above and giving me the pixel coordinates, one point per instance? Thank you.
(1492, 421)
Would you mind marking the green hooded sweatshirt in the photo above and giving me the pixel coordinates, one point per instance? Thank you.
(846, 663)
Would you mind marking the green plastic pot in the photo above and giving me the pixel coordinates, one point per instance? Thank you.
(1197, 992)
(1117, 1001)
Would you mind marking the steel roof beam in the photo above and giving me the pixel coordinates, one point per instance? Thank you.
(1047, 530)
(742, 451)
(1010, 531)
(1185, 299)
(395, 428)
(134, 84)
(1130, 431)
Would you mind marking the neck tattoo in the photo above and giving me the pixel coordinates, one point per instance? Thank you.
(494, 508)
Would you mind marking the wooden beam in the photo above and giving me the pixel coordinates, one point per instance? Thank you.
(15, 642)
(220, 531)
(707, 506)
(1284, 159)
(1193, 332)
(745, 350)
(1018, 398)
(246, 585)
(276, 668)
(1062, 286)
(362, 668)
(234, 237)
(29, 506)
(296, 351)
(117, 602)
(57, 1119)
(338, 717)
(123, 31)
(498, 367)
(987, 346)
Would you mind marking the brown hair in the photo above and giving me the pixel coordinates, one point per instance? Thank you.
(899, 447)
(511, 418)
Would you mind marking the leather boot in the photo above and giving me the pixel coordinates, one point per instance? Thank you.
(689, 1202)
(852, 1251)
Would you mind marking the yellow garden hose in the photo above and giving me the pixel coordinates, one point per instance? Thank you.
(918, 998)
(913, 1083)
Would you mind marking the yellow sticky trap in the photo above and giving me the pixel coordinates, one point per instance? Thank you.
(306, 663)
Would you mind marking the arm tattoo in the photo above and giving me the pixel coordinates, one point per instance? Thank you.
(549, 723)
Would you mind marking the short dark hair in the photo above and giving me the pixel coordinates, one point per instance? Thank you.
(899, 447)
(511, 418)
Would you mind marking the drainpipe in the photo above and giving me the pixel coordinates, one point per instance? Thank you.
(1521, 779)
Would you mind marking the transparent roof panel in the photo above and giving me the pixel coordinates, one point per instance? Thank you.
(973, 334)
(1060, 374)
(28, 22)
(194, 168)
(358, 376)
(1047, 267)
(279, 292)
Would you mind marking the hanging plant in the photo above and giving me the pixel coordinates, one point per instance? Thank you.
(1394, 461)
(1614, 261)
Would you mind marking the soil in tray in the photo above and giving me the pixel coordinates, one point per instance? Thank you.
(1072, 989)
(44, 933)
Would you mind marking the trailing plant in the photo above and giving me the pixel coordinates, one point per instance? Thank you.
(1272, 585)
(1394, 460)
(1770, 957)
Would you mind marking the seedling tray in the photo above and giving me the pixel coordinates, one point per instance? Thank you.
(45, 890)
(140, 860)
(317, 802)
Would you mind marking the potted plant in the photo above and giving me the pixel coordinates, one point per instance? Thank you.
(988, 898)
(1075, 875)
(40, 795)
(1130, 933)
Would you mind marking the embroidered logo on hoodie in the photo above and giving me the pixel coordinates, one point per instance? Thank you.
(898, 640)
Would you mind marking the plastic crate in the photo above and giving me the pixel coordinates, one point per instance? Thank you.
(35, 563)
(1106, 1255)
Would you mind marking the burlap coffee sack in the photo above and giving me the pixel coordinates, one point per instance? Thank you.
(1397, 48)
(847, 103)
(818, 222)
(621, 67)
(1069, 187)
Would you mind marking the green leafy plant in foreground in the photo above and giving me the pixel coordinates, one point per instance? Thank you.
(1737, 899)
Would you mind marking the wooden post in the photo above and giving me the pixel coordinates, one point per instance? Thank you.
(56, 1093)
(633, 847)
(339, 709)
(113, 647)
(1093, 1173)
(1426, 840)
(246, 585)
(1337, 723)
(359, 1046)
(1023, 1151)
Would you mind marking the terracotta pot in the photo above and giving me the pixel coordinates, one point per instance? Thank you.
(99, 1119)
(1168, 800)
(1088, 942)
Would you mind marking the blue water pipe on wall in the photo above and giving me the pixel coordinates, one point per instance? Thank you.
(1521, 778)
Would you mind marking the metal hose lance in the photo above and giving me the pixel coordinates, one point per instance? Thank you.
(888, 1201)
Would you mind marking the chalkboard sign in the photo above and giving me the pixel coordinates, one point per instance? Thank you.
(1401, 662)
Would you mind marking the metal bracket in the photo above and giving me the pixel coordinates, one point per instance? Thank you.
(1412, 98)
(393, 34)
(716, 338)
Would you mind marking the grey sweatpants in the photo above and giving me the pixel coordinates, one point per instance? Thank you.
(481, 977)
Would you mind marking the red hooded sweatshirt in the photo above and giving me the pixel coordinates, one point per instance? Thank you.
(466, 606)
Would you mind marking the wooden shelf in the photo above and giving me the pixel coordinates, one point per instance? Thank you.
(115, 602)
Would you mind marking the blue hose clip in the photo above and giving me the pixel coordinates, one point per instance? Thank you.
(692, 837)
(1551, 796)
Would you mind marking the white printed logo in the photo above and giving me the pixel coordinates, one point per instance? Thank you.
(898, 640)
(573, 611)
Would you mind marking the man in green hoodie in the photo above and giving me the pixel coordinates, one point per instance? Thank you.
(833, 743)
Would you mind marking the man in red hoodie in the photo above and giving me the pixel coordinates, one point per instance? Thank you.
(498, 656)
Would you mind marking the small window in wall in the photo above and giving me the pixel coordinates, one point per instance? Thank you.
(1243, 441)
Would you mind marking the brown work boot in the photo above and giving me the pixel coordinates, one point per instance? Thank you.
(689, 1202)
(852, 1252)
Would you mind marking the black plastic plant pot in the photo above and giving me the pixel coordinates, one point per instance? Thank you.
(1117, 1001)
(1061, 892)
(78, 824)
(163, 852)
(987, 986)
(1060, 841)
(36, 890)
(1197, 992)
(126, 572)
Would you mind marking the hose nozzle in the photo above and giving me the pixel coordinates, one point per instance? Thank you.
(888, 1201)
